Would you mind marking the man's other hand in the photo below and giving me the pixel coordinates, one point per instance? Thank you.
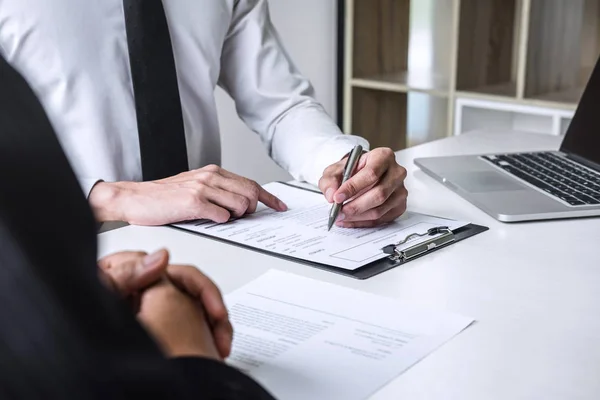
(206, 193)
(376, 190)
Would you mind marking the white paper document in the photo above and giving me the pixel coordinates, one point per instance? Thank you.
(305, 339)
(301, 232)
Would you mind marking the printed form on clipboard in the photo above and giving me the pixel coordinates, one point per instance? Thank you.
(301, 232)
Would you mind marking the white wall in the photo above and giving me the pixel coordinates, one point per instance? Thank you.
(308, 30)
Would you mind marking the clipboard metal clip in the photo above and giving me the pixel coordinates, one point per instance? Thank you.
(443, 235)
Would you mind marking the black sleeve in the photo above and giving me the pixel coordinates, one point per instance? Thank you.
(222, 381)
(62, 334)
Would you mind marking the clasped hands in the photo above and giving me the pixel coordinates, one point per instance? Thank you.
(179, 306)
(374, 195)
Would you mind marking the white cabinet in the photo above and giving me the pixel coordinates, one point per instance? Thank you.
(474, 114)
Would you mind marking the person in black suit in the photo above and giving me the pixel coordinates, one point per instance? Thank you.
(63, 334)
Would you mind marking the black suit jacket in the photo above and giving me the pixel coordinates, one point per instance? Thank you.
(62, 334)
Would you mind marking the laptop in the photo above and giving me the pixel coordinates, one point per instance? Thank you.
(538, 185)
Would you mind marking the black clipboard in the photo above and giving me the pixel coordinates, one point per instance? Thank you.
(393, 260)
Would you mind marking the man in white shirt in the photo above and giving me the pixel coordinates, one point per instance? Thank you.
(75, 55)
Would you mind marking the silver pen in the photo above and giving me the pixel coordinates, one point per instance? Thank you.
(348, 170)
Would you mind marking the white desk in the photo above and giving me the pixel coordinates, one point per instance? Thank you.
(534, 289)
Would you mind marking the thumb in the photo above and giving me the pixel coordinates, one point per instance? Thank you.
(140, 273)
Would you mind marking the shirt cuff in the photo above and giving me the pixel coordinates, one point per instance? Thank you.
(329, 153)
(87, 184)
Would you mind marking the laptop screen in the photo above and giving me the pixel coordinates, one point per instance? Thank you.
(583, 136)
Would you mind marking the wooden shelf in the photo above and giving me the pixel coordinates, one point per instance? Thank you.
(398, 120)
(487, 47)
(564, 43)
(380, 37)
(507, 89)
(408, 64)
(568, 96)
(380, 117)
(406, 81)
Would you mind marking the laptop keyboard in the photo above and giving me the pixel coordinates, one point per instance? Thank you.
(555, 175)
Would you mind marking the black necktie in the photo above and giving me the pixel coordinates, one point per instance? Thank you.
(157, 101)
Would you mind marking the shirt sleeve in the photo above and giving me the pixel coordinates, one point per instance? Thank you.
(275, 100)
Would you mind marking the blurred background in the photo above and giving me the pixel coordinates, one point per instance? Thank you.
(412, 71)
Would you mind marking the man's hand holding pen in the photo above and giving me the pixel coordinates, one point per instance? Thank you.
(376, 189)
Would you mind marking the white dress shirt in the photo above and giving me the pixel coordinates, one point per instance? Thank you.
(74, 55)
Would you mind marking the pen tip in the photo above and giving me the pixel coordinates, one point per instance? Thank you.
(329, 225)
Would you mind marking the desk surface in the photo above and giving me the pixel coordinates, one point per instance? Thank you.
(534, 289)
